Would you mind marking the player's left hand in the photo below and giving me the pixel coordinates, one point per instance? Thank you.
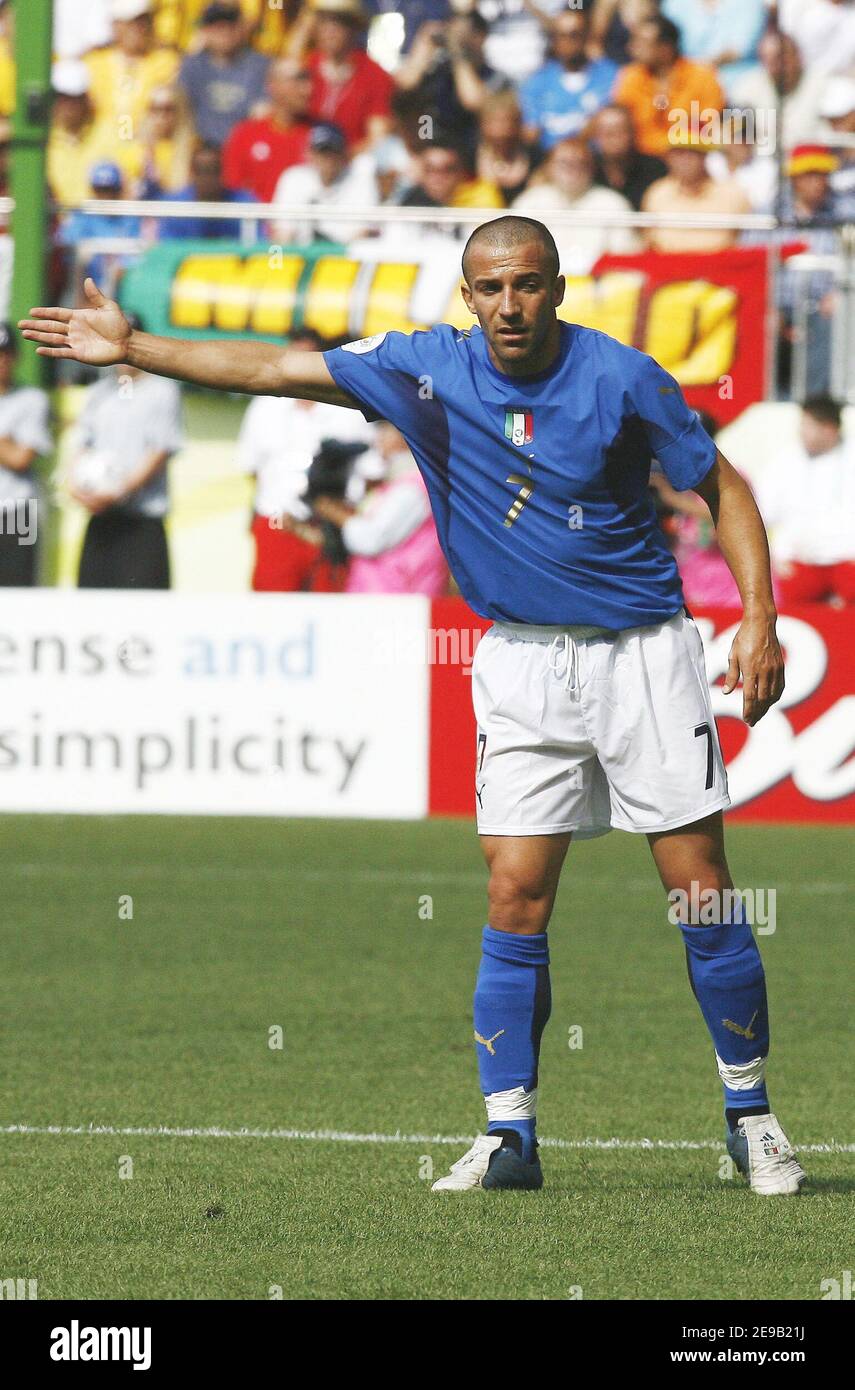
(756, 656)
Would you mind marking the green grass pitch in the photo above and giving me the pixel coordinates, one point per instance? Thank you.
(320, 928)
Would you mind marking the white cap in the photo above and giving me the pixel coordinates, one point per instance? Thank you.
(838, 98)
(70, 77)
(129, 9)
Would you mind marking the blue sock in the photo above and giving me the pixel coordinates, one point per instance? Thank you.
(726, 974)
(512, 1005)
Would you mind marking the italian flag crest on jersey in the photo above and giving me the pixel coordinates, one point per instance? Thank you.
(519, 427)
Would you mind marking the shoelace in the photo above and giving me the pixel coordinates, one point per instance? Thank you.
(562, 649)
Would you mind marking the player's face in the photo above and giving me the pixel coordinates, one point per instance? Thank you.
(514, 298)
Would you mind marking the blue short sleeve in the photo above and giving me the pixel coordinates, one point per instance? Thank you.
(389, 375)
(675, 434)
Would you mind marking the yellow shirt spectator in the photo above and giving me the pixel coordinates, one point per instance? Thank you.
(71, 155)
(175, 23)
(477, 193)
(120, 86)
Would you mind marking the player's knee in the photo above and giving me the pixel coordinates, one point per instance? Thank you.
(519, 901)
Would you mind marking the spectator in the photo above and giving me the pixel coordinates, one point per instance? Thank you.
(161, 158)
(564, 94)
(268, 24)
(128, 430)
(75, 142)
(688, 189)
(517, 41)
(24, 438)
(445, 180)
(612, 26)
(205, 186)
(783, 82)
(259, 150)
(618, 162)
(446, 76)
(278, 439)
(415, 14)
(809, 213)
(751, 164)
(723, 33)
(225, 80)
(568, 185)
(123, 75)
(807, 498)
(838, 109)
(329, 179)
(77, 227)
(391, 535)
(661, 80)
(348, 88)
(505, 158)
(824, 31)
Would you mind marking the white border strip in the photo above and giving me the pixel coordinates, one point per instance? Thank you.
(343, 1136)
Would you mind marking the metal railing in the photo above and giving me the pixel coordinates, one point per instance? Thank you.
(257, 223)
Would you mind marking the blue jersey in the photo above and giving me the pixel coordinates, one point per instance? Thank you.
(560, 103)
(539, 484)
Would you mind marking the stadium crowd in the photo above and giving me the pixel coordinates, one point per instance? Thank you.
(535, 105)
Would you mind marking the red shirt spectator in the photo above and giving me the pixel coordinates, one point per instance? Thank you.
(258, 151)
(349, 89)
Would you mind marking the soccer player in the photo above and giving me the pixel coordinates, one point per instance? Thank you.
(535, 439)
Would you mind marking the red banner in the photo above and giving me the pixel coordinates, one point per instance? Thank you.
(796, 765)
(701, 316)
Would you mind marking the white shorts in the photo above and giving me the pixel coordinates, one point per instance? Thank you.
(590, 734)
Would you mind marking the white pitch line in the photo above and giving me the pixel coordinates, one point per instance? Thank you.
(343, 1136)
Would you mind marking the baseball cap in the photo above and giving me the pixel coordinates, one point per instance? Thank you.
(811, 159)
(838, 98)
(219, 13)
(105, 175)
(70, 77)
(328, 137)
(7, 338)
(129, 9)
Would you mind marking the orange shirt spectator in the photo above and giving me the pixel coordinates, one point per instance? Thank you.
(123, 76)
(661, 81)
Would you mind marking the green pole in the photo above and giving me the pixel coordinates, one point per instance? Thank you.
(33, 30)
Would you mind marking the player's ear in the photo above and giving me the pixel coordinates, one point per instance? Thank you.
(467, 296)
(560, 287)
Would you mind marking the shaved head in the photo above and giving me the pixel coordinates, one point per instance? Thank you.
(505, 233)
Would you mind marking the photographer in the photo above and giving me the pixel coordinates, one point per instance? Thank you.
(278, 441)
(390, 536)
(446, 76)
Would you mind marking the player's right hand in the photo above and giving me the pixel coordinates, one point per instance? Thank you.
(97, 335)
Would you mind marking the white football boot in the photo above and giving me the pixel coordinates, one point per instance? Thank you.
(490, 1164)
(764, 1155)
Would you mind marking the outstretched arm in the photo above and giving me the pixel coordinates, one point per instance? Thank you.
(101, 336)
(755, 653)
